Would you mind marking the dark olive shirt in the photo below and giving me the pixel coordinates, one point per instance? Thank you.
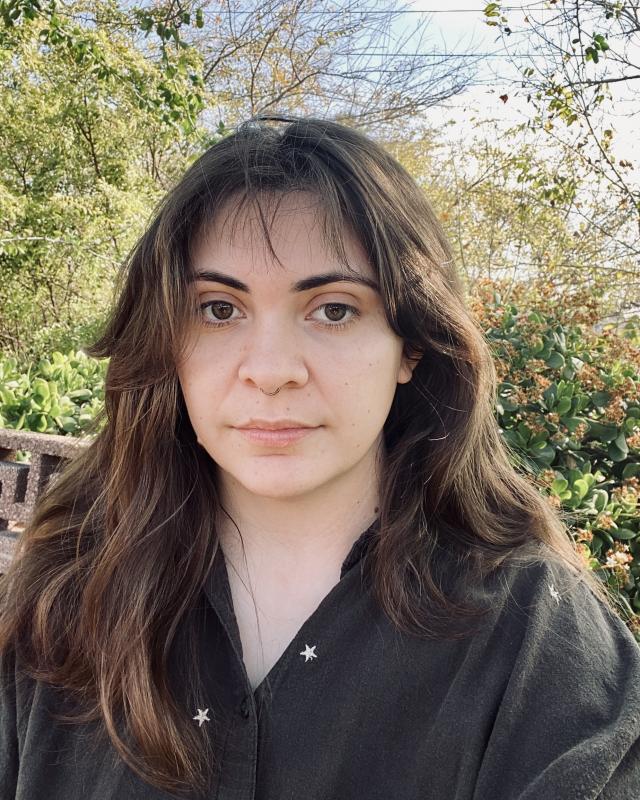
(541, 703)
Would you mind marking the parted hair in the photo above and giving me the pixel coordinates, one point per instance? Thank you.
(120, 545)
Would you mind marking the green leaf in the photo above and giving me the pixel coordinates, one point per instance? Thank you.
(572, 423)
(555, 360)
(7, 397)
(631, 470)
(621, 444)
(615, 453)
(81, 394)
(581, 488)
(564, 405)
(40, 388)
(596, 544)
(600, 499)
(550, 394)
(604, 433)
(69, 425)
(546, 455)
(605, 536)
(600, 399)
(538, 445)
(559, 485)
(624, 533)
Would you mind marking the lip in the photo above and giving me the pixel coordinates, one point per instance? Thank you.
(278, 437)
(273, 425)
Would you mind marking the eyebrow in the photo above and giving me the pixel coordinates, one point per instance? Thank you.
(299, 286)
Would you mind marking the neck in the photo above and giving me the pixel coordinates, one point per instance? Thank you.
(309, 534)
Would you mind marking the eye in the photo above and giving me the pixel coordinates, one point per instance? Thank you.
(221, 311)
(335, 312)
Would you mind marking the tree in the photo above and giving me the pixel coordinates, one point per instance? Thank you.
(577, 62)
(517, 212)
(83, 158)
(80, 29)
(313, 56)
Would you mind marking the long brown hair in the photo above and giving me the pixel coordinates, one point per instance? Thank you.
(120, 545)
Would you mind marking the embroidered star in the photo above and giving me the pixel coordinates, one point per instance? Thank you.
(201, 716)
(308, 652)
(554, 593)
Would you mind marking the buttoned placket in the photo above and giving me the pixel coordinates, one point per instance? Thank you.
(237, 777)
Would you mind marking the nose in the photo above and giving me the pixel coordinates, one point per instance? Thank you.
(272, 357)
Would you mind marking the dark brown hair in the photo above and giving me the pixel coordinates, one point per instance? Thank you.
(120, 545)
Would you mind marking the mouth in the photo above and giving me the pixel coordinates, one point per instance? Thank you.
(280, 437)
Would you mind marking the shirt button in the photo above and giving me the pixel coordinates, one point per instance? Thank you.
(245, 710)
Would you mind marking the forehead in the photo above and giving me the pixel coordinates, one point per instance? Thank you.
(285, 236)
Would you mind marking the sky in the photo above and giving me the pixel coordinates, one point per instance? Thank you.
(459, 27)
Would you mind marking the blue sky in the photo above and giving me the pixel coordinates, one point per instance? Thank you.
(458, 28)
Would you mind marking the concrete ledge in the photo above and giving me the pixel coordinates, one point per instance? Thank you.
(7, 545)
(21, 483)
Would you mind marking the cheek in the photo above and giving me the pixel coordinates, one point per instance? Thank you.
(198, 385)
(367, 387)
(377, 364)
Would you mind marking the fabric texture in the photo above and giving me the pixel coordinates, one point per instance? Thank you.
(541, 703)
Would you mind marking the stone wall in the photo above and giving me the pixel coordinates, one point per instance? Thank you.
(21, 483)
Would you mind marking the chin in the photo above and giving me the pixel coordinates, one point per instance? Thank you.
(278, 484)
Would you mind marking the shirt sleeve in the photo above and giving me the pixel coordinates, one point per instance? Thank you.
(8, 730)
(567, 726)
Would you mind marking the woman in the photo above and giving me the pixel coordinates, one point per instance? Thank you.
(296, 560)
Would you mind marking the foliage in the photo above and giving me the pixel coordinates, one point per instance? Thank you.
(60, 395)
(568, 406)
(62, 29)
(577, 62)
(514, 209)
(83, 159)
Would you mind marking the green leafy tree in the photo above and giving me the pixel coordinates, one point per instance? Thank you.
(84, 155)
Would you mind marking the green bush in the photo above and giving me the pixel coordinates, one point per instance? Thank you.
(568, 406)
(61, 395)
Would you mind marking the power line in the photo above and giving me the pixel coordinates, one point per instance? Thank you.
(408, 54)
(445, 54)
(372, 11)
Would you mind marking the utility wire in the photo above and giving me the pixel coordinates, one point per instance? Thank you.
(371, 11)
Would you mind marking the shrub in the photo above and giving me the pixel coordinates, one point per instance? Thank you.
(568, 406)
(61, 395)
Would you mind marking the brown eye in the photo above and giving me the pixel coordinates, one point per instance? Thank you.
(221, 310)
(335, 311)
(337, 315)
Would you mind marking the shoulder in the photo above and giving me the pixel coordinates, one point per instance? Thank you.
(568, 722)
(549, 599)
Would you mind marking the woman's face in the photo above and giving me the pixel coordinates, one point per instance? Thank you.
(323, 341)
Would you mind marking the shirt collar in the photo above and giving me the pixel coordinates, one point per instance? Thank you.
(217, 586)
(359, 547)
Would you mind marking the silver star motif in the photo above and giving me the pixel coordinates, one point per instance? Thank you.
(554, 593)
(308, 652)
(201, 716)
